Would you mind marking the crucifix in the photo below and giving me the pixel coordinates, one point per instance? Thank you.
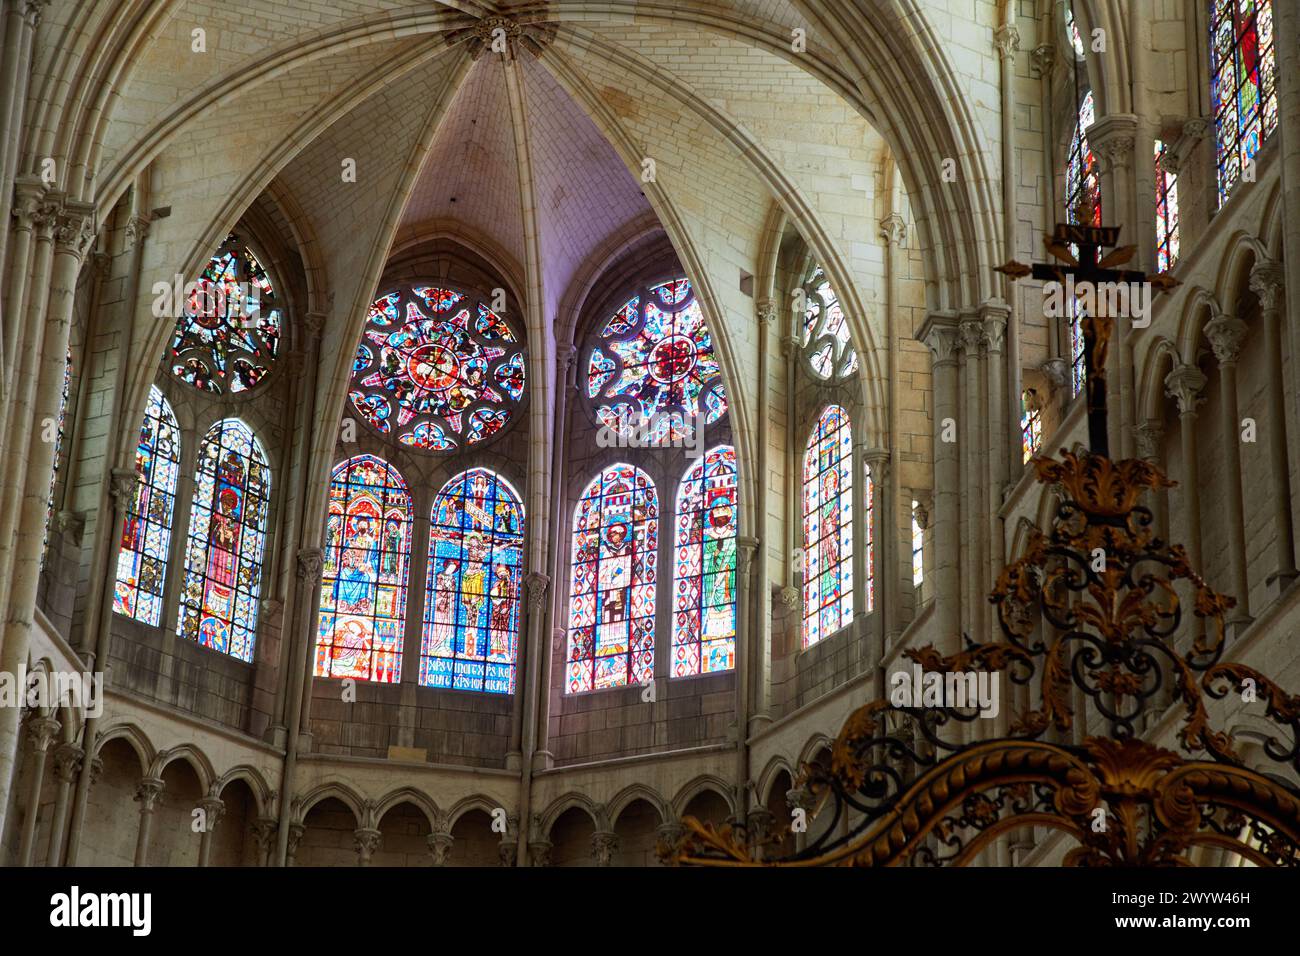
(1078, 249)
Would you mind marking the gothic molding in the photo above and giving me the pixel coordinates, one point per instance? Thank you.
(34, 12)
(309, 565)
(939, 333)
(439, 844)
(74, 229)
(1267, 281)
(41, 732)
(1006, 40)
(537, 585)
(68, 759)
(504, 36)
(603, 845)
(313, 324)
(147, 793)
(1114, 136)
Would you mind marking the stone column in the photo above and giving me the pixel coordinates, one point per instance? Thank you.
(22, 17)
(603, 845)
(146, 794)
(758, 829)
(41, 732)
(939, 333)
(667, 836)
(67, 766)
(1266, 283)
(212, 808)
(746, 547)
(996, 316)
(972, 547)
(539, 853)
(1185, 384)
(366, 840)
(296, 831)
(1149, 437)
(1226, 334)
(263, 831)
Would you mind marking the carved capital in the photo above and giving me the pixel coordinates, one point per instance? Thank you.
(41, 732)
(213, 810)
(1042, 58)
(537, 585)
(121, 485)
(1114, 136)
(539, 853)
(440, 845)
(1054, 371)
(800, 798)
(1197, 128)
(309, 565)
(603, 845)
(1006, 39)
(746, 548)
(972, 336)
(263, 830)
(939, 333)
(68, 760)
(1267, 281)
(147, 793)
(74, 228)
(670, 833)
(29, 198)
(789, 597)
(137, 230)
(1150, 436)
(366, 842)
(877, 460)
(1226, 334)
(1186, 384)
(313, 323)
(893, 229)
(766, 312)
(296, 832)
(34, 11)
(922, 514)
(995, 316)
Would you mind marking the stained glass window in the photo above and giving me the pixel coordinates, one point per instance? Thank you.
(1243, 83)
(704, 567)
(1072, 29)
(437, 368)
(828, 527)
(228, 334)
(1166, 212)
(363, 573)
(58, 450)
(918, 546)
(826, 331)
(472, 605)
(1031, 424)
(612, 591)
(227, 539)
(654, 361)
(1082, 175)
(1078, 366)
(147, 530)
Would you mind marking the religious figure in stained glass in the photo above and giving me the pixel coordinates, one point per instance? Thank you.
(704, 567)
(828, 526)
(612, 591)
(437, 368)
(1243, 83)
(654, 361)
(1166, 211)
(147, 528)
(475, 585)
(826, 338)
(1082, 173)
(363, 574)
(228, 334)
(1031, 424)
(226, 543)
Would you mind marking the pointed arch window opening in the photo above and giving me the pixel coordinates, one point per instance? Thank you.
(145, 545)
(1243, 84)
(364, 572)
(704, 567)
(828, 527)
(228, 335)
(611, 640)
(918, 546)
(1167, 213)
(473, 605)
(826, 338)
(654, 361)
(225, 547)
(1031, 424)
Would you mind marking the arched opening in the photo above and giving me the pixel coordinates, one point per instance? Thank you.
(328, 835)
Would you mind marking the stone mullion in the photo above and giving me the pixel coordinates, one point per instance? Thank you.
(1226, 335)
(147, 795)
(971, 551)
(885, 584)
(212, 808)
(1002, 446)
(760, 641)
(746, 547)
(417, 593)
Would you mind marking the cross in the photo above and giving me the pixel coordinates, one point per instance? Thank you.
(1089, 265)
